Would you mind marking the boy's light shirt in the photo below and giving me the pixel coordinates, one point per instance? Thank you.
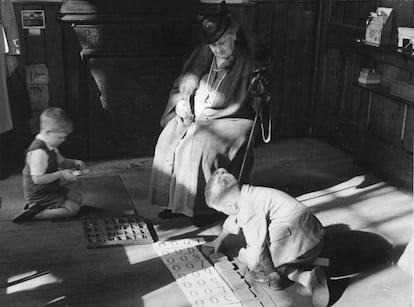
(255, 236)
(37, 159)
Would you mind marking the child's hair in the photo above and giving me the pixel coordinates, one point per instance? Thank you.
(220, 183)
(55, 119)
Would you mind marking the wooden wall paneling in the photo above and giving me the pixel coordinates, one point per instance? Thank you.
(77, 143)
(354, 97)
(321, 77)
(348, 117)
(277, 32)
(310, 12)
(407, 143)
(301, 33)
(54, 56)
(320, 96)
(386, 119)
(353, 16)
(338, 11)
(332, 93)
(247, 16)
(351, 12)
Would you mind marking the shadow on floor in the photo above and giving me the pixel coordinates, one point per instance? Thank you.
(352, 252)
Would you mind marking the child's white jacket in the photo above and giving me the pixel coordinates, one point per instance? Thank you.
(269, 217)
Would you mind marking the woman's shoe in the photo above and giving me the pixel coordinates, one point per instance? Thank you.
(28, 214)
(257, 277)
(168, 214)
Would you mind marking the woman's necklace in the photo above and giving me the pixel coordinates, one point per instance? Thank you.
(210, 87)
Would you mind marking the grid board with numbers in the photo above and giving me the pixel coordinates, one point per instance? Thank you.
(117, 231)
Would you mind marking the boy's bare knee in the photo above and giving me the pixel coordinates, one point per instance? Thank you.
(71, 206)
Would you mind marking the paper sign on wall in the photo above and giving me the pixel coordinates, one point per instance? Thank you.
(37, 79)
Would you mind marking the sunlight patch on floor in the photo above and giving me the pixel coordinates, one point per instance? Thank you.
(139, 253)
(149, 298)
(378, 208)
(31, 282)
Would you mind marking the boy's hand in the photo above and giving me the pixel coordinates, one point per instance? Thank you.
(188, 84)
(67, 174)
(211, 247)
(242, 255)
(79, 164)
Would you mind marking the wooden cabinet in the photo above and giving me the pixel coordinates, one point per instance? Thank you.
(387, 127)
(369, 121)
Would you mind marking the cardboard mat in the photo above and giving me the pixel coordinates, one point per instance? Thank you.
(197, 278)
(104, 196)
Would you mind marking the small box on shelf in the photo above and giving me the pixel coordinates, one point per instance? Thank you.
(369, 76)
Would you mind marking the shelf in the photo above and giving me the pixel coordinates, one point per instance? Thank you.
(383, 91)
(388, 49)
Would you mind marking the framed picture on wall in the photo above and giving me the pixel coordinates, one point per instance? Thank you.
(33, 19)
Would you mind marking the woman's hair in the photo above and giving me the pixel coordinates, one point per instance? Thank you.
(55, 119)
(221, 182)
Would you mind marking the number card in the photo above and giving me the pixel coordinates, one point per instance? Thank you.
(197, 278)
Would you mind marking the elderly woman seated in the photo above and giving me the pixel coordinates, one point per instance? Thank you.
(207, 120)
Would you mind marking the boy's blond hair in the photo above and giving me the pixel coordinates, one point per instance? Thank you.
(55, 119)
(220, 183)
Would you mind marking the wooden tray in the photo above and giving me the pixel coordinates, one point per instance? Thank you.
(117, 231)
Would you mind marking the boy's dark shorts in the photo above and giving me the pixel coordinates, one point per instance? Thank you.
(51, 201)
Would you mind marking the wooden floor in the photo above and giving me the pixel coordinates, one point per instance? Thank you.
(47, 263)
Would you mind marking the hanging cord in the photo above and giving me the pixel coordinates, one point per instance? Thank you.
(260, 90)
(266, 138)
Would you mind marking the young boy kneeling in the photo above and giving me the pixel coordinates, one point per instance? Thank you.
(44, 169)
(283, 237)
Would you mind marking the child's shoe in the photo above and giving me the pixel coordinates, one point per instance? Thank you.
(273, 280)
(319, 288)
(278, 282)
(28, 214)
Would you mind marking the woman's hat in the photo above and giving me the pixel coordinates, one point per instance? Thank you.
(214, 23)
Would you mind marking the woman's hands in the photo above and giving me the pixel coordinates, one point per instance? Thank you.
(188, 84)
(183, 110)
